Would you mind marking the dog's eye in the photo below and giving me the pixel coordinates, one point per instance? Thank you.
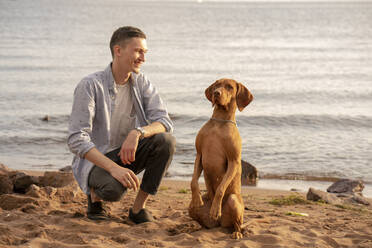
(228, 87)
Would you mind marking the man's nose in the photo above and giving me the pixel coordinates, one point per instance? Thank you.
(142, 57)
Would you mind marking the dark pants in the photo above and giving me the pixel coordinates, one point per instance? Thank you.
(154, 155)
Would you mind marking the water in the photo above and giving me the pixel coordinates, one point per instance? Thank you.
(307, 64)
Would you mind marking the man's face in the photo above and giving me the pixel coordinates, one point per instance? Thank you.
(132, 54)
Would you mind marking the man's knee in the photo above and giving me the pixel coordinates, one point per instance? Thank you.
(112, 191)
(165, 143)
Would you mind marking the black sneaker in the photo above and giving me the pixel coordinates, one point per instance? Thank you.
(142, 216)
(96, 211)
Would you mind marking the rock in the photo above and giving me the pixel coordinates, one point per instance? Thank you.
(67, 194)
(50, 191)
(318, 195)
(22, 181)
(6, 185)
(343, 195)
(67, 168)
(4, 169)
(33, 191)
(295, 190)
(46, 118)
(56, 179)
(249, 174)
(346, 186)
(360, 200)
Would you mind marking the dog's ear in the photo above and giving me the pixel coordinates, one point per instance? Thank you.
(243, 96)
(209, 92)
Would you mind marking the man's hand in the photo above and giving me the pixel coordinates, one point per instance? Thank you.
(126, 177)
(128, 149)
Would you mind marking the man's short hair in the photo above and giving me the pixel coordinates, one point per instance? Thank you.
(123, 34)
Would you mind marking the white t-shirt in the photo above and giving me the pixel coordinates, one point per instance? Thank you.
(123, 116)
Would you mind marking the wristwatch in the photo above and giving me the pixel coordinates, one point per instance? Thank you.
(142, 131)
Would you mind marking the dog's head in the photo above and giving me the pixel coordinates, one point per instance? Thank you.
(224, 91)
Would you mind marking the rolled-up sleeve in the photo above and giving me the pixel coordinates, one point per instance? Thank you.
(154, 107)
(81, 119)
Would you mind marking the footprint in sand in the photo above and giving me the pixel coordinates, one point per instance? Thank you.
(188, 227)
(265, 239)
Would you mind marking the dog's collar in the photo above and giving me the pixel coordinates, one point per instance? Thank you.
(222, 120)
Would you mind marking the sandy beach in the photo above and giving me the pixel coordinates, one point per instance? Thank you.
(55, 217)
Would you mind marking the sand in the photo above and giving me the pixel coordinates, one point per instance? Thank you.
(55, 217)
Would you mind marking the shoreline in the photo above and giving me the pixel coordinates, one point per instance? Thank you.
(270, 183)
(290, 185)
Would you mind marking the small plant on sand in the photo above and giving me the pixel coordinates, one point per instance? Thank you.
(183, 191)
(162, 188)
(321, 202)
(342, 206)
(289, 200)
(352, 208)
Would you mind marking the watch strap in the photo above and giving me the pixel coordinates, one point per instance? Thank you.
(142, 131)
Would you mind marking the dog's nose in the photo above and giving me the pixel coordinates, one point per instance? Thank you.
(217, 93)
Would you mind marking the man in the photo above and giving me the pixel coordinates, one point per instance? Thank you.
(118, 128)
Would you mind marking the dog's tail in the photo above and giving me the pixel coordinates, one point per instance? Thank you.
(244, 225)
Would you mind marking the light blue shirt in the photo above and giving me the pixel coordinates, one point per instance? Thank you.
(93, 104)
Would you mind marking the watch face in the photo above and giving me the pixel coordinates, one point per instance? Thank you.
(142, 131)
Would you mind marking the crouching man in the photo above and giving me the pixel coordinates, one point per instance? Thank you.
(119, 127)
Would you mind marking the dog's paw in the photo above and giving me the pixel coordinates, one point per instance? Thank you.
(215, 213)
(196, 202)
(236, 235)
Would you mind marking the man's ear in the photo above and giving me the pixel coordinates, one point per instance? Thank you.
(117, 50)
(243, 96)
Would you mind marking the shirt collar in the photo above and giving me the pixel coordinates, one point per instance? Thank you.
(109, 79)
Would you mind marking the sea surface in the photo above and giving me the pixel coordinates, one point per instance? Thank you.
(308, 65)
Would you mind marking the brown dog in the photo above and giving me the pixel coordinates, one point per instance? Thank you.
(218, 146)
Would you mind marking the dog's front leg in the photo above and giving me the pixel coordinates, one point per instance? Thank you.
(196, 200)
(232, 168)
